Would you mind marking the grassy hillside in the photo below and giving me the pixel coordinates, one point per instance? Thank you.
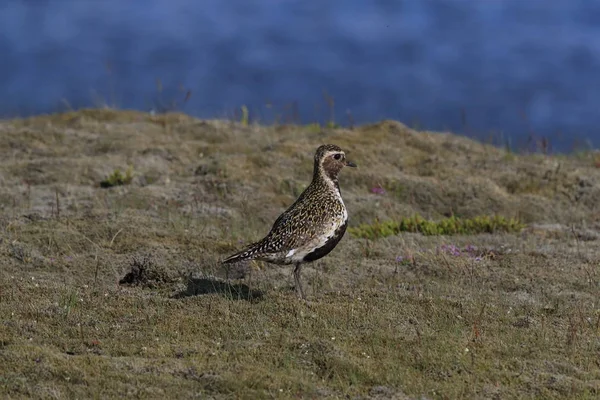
(112, 225)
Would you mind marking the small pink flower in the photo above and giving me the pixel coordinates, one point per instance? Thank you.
(470, 249)
(377, 190)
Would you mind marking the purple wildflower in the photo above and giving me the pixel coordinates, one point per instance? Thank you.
(450, 249)
(399, 259)
(470, 249)
(377, 190)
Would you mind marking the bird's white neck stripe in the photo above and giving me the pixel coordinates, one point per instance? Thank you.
(334, 186)
(330, 182)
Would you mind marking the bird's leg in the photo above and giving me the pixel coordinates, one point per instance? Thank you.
(297, 281)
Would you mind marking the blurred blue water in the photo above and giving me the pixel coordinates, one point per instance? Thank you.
(509, 67)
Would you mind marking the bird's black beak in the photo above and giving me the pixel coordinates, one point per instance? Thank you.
(351, 164)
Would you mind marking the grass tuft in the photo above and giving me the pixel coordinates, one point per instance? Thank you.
(245, 118)
(145, 272)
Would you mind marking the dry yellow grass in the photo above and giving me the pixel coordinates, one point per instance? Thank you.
(520, 320)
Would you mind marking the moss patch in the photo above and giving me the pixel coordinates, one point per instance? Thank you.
(447, 226)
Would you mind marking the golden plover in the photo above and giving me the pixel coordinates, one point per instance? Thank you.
(311, 227)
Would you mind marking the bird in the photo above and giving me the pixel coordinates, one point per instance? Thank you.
(312, 226)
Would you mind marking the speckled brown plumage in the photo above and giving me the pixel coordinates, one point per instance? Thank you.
(311, 227)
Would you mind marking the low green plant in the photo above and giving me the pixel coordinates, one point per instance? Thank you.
(69, 302)
(397, 188)
(448, 226)
(117, 178)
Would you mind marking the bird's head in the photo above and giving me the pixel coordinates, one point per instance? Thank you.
(330, 160)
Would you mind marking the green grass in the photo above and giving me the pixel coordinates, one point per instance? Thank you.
(120, 293)
(447, 226)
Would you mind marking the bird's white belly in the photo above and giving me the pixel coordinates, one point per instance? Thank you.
(298, 254)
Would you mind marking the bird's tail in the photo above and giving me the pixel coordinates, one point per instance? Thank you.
(246, 254)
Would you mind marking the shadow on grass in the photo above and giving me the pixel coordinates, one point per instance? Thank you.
(237, 291)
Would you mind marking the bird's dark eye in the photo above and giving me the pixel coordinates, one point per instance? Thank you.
(337, 156)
